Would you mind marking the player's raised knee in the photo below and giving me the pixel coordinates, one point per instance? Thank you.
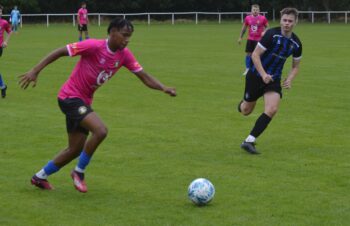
(101, 132)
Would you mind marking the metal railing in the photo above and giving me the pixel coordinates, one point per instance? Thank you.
(311, 16)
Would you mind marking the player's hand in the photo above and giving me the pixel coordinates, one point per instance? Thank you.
(239, 41)
(28, 78)
(287, 84)
(4, 44)
(171, 91)
(267, 78)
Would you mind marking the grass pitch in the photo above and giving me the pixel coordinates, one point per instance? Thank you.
(157, 144)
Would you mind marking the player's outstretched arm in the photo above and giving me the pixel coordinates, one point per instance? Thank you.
(153, 83)
(32, 75)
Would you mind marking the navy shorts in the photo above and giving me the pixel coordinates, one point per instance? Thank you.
(75, 110)
(256, 88)
(83, 27)
(249, 48)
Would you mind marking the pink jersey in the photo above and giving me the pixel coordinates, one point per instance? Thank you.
(256, 25)
(83, 16)
(4, 26)
(96, 66)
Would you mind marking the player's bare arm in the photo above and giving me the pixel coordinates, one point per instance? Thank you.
(258, 65)
(4, 44)
(244, 28)
(287, 83)
(153, 83)
(32, 75)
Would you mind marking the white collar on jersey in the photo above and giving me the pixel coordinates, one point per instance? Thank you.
(108, 49)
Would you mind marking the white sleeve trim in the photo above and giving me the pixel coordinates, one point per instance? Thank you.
(261, 46)
(296, 58)
(137, 70)
(69, 51)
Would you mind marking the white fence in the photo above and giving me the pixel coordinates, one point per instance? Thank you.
(311, 16)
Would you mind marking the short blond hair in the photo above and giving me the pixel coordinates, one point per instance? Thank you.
(255, 6)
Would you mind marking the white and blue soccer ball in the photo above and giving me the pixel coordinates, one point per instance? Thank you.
(201, 191)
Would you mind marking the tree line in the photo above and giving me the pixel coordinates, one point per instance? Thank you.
(138, 6)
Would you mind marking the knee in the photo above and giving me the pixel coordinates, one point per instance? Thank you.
(271, 111)
(246, 110)
(101, 132)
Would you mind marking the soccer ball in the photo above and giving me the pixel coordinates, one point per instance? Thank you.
(201, 191)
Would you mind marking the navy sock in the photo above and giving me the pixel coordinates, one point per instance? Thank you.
(2, 85)
(260, 125)
(248, 60)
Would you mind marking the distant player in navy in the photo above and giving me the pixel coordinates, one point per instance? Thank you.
(264, 77)
(15, 19)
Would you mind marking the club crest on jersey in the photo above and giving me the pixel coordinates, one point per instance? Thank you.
(116, 64)
(82, 110)
(102, 61)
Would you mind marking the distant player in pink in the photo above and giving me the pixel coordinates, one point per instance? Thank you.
(99, 61)
(83, 21)
(257, 25)
(4, 27)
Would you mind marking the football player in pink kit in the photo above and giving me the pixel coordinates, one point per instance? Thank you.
(257, 25)
(4, 27)
(99, 61)
(83, 21)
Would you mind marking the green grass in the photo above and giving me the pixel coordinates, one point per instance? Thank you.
(157, 144)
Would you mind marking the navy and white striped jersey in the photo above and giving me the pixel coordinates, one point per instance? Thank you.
(278, 49)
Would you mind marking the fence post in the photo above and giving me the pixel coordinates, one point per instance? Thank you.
(196, 18)
(219, 18)
(312, 17)
(149, 19)
(346, 17)
(242, 19)
(21, 21)
(172, 19)
(47, 20)
(329, 17)
(73, 20)
(99, 20)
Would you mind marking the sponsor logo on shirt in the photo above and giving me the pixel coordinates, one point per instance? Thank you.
(103, 77)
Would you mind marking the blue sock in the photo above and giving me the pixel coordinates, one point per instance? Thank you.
(51, 168)
(87, 37)
(2, 85)
(248, 61)
(84, 160)
(80, 39)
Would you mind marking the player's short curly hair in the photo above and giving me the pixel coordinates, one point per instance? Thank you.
(119, 23)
